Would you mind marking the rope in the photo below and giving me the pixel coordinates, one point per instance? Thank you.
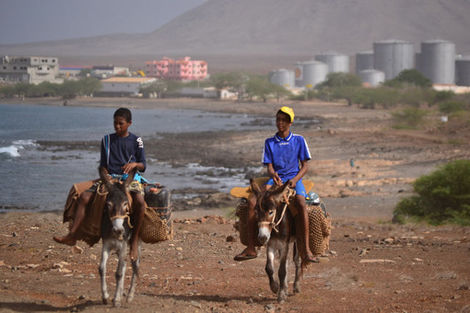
(286, 203)
(123, 216)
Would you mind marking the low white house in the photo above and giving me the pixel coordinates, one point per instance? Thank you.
(124, 86)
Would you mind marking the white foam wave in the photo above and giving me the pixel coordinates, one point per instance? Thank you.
(13, 151)
(25, 142)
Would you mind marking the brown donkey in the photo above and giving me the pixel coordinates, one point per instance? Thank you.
(116, 231)
(276, 230)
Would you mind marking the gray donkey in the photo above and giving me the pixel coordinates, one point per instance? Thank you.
(116, 230)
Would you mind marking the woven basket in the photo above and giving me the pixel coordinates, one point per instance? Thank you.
(319, 230)
(157, 225)
(242, 224)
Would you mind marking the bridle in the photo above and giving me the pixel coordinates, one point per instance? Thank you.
(273, 224)
(123, 217)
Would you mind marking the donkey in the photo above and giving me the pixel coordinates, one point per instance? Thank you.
(276, 230)
(116, 231)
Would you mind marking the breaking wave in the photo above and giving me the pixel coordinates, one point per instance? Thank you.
(13, 150)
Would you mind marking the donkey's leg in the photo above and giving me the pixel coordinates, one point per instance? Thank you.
(282, 272)
(270, 251)
(298, 269)
(135, 276)
(102, 270)
(120, 274)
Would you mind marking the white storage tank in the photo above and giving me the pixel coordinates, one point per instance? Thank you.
(309, 74)
(462, 71)
(337, 62)
(437, 61)
(393, 56)
(364, 61)
(282, 77)
(372, 77)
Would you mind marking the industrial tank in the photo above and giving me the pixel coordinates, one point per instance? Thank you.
(282, 77)
(393, 56)
(364, 61)
(336, 62)
(462, 71)
(437, 61)
(372, 77)
(310, 73)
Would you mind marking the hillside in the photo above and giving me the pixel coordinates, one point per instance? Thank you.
(269, 28)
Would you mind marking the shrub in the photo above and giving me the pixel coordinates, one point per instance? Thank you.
(442, 196)
(410, 77)
(408, 118)
(451, 106)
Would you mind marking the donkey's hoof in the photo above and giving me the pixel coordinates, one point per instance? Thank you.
(130, 298)
(296, 289)
(105, 300)
(116, 304)
(274, 286)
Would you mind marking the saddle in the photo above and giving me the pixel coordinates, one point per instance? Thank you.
(156, 226)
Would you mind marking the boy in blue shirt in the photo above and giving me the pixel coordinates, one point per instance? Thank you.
(282, 154)
(121, 153)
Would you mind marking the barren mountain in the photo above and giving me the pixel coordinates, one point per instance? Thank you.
(268, 28)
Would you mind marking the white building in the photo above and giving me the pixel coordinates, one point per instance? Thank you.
(106, 71)
(29, 69)
(124, 86)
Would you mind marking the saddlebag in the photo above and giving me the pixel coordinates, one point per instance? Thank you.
(157, 224)
(90, 228)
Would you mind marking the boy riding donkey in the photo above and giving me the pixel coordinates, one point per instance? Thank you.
(121, 153)
(282, 154)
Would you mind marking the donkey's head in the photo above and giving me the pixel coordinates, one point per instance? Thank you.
(269, 205)
(117, 206)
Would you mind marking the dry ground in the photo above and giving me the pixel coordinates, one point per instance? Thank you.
(375, 266)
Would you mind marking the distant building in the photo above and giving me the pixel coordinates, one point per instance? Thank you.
(208, 92)
(183, 69)
(29, 69)
(124, 86)
(105, 71)
(72, 71)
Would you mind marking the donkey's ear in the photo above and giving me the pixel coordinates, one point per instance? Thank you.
(104, 176)
(254, 187)
(130, 177)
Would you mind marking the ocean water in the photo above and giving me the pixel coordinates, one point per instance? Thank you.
(38, 178)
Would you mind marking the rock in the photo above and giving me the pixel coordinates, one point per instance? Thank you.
(196, 304)
(446, 276)
(269, 308)
(376, 261)
(230, 239)
(389, 241)
(363, 252)
(77, 250)
(463, 287)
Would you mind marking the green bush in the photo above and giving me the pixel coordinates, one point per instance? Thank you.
(442, 196)
(408, 118)
(451, 106)
(409, 77)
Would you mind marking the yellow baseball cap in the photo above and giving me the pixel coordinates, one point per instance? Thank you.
(289, 112)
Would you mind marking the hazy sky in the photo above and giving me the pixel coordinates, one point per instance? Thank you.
(40, 20)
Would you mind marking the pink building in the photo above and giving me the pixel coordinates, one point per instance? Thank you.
(182, 69)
